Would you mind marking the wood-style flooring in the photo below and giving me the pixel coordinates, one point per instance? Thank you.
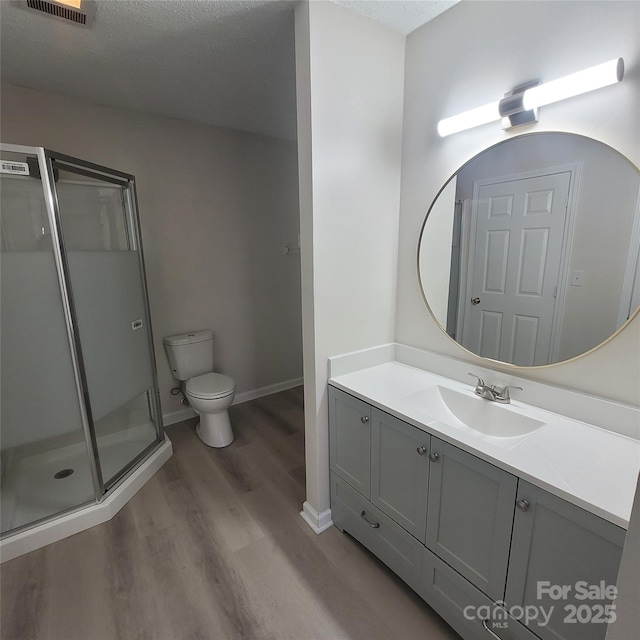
(213, 548)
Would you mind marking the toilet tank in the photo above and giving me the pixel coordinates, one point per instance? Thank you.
(190, 354)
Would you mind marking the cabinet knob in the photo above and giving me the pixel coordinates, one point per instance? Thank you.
(523, 505)
(434, 457)
(364, 419)
(421, 450)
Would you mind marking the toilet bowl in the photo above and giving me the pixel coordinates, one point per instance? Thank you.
(210, 396)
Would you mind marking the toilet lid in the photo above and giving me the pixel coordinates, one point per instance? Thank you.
(210, 385)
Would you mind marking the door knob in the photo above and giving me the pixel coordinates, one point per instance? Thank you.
(433, 457)
(475, 300)
(523, 505)
(364, 419)
(421, 450)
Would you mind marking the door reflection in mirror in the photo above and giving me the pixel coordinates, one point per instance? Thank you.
(529, 254)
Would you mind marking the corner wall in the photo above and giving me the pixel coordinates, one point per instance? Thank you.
(217, 208)
(471, 55)
(349, 73)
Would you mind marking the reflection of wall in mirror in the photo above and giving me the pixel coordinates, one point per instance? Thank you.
(435, 254)
(606, 202)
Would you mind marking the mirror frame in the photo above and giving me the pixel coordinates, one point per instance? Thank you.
(484, 359)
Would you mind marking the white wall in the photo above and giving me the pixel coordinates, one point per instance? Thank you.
(350, 83)
(217, 208)
(502, 44)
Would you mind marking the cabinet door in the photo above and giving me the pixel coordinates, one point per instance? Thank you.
(557, 545)
(470, 516)
(400, 471)
(350, 440)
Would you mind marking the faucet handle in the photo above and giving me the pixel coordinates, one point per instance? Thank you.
(480, 386)
(480, 380)
(502, 395)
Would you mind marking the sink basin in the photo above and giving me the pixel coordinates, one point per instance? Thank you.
(465, 408)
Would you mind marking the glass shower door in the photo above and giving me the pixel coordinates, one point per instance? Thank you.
(102, 248)
(46, 466)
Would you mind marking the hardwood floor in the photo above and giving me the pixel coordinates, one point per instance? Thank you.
(211, 548)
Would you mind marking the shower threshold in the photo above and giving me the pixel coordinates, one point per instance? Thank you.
(83, 517)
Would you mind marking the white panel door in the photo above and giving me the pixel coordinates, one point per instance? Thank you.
(517, 231)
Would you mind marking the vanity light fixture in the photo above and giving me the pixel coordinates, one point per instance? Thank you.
(520, 105)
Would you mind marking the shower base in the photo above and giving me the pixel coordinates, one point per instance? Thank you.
(30, 490)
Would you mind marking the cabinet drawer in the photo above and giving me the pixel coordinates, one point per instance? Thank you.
(350, 440)
(352, 513)
(469, 611)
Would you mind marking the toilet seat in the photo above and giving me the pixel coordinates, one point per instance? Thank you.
(210, 386)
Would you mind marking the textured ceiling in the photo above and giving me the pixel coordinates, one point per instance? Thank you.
(229, 63)
(403, 16)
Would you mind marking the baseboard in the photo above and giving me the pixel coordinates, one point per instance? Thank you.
(319, 522)
(245, 396)
(178, 416)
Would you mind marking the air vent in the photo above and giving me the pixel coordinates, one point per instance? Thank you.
(54, 9)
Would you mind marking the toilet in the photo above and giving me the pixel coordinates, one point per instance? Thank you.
(209, 394)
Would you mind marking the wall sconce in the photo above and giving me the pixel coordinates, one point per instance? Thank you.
(520, 106)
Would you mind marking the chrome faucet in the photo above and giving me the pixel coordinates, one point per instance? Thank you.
(491, 392)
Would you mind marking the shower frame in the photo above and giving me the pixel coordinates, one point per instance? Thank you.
(48, 162)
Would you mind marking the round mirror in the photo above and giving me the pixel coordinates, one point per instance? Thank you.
(529, 254)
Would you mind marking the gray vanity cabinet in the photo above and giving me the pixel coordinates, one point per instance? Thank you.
(557, 544)
(474, 541)
(470, 516)
(400, 471)
(350, 440)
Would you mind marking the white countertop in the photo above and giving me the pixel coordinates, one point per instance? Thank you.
(586, 465)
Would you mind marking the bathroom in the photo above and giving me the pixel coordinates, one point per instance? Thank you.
(359, 286)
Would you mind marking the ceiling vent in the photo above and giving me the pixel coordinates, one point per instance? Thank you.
(59, 10)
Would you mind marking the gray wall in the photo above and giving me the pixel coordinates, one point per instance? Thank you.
(217, 209)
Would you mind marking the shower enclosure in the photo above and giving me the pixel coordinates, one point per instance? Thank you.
(80, 410)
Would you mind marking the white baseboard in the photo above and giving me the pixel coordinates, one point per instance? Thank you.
(245, 396)
(178, 416)
(319, 522)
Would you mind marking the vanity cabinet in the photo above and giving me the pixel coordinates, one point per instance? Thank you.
(469, 537)
(557, 545)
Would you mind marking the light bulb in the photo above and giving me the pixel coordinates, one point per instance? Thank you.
(602, 75)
